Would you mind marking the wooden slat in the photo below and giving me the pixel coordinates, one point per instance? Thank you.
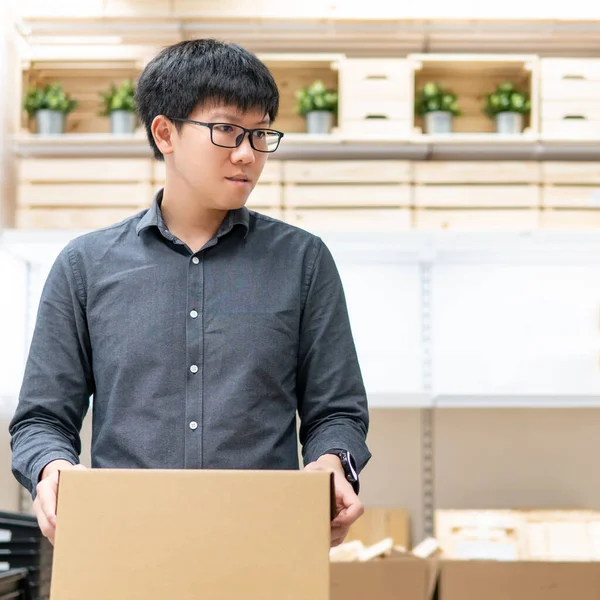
(570, 219)
(84, 169)
(375, 76)
(476, 220)
(84, 195)
(272, 172)
(560, 109)
(350, 220)
(265, 195)
(459, 171)
(366, 128)
(137, 8)
(580, 196)
(570, 89)
(570, 172)
(346, 171)
(70, 218)
(64, 8)
(568, 68)
(571, 128)
(358, 108)
(346, 195)
(492, 196)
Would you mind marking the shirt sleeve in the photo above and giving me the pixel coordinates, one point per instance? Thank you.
(332, 402)
(58, 380)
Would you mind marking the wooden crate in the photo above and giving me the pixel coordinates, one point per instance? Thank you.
(476, 220)
(293, 72)
(471, 77)
(350, 220)
(70, 218)
(375, 96)
(358, 195)
(484, 196)
(61, 193)
(565, 220)
(83, 80)
(570, 89)
(470, 172)
(346, 171)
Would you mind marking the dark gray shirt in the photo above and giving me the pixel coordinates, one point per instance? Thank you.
(193, 360)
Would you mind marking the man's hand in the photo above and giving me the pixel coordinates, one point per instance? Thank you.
(348, 507)
(44, 504)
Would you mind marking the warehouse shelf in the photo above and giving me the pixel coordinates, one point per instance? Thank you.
(516, 401)
(335, 146)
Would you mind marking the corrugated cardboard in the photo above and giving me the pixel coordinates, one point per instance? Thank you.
(170, 534)
(521, 580)
(383, 579)
(378, 523)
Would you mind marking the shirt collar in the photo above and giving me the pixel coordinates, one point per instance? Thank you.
(153, 218)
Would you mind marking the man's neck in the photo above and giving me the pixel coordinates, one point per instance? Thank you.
(188, 220)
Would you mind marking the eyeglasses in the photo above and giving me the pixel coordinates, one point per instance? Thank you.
(226, 135)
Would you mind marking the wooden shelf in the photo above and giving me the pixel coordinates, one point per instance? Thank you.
(303, 146)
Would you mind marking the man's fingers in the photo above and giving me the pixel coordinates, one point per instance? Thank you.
(46, 494)
(47, 529)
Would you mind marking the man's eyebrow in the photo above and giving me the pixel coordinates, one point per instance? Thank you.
(232, 117)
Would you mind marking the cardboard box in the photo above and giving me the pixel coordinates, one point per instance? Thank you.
(521, 580)
(186, 534)
(390, 578)
(379, 523)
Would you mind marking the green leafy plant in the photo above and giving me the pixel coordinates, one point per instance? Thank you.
(506, 98)
(316, 97)
(119, 98)
(49, 97)
(434, 98)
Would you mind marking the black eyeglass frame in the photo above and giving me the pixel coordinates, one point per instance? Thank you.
(240, 137)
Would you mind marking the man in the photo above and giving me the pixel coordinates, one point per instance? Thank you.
(200, 328)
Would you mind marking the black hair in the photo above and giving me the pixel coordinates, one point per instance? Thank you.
(200, 72)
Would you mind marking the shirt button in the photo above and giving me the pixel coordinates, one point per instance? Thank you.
(194, 368)
(195, 260)
(193, 314)
(193, 425)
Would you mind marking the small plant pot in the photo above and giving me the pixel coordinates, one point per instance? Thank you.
(509, 123)
(49, 122)
(438, 122)
(319, 121)
(122, 122)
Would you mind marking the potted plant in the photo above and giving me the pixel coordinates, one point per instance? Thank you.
(507, 106)
(319, 105)
(49, 105)
(119, 104)
(437, 106)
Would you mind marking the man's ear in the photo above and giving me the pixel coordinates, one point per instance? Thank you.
(163, 131)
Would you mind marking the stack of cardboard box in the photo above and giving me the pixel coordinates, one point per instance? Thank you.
(475, 554)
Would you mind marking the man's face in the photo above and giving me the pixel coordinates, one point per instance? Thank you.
(222, 177)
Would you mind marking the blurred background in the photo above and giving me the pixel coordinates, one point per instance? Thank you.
(446, 152)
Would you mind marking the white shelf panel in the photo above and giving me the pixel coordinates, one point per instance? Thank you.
(516, 401)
